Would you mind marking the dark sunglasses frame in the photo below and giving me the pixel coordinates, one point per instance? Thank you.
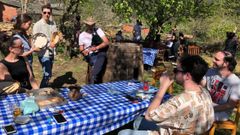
(20, 47)
(47, 13)
(175, 70)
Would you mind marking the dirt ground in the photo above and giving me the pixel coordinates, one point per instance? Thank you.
(66, 71)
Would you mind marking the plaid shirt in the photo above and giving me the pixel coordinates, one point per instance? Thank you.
(190, 112)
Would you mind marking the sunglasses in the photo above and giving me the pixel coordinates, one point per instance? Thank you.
(175, 70)
(47, 13)
(20, 47)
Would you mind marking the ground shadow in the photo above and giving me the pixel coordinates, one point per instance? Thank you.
(60, 81)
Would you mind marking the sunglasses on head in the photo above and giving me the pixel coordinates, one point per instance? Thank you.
(47, 13)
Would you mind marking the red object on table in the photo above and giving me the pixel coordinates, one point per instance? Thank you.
(145, 86)
(60, 111)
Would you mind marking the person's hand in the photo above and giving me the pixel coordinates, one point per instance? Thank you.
(52, 44)
(165, 81)
(35, 49)
(85, 52)
(93, 48)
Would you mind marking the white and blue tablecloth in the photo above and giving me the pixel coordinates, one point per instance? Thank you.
(149, 56)
(97, 113)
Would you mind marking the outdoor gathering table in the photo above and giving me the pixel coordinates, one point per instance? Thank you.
(99, 112)
(149, 56)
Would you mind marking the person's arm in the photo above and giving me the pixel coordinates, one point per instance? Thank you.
(229, 105)
(232, 101)
(166, 110)
(52, 45)
(84, 52)
(103, 44)
(4, 73)
(165, 82)
(25, 54)
(32, 80)
(54, 31)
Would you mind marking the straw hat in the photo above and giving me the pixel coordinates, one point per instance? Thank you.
(89, 21)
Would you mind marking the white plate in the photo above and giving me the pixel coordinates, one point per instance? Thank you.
(22, 119)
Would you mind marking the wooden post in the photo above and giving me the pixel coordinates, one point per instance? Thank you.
(124, 62)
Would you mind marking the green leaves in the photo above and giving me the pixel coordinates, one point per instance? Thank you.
(159, 11)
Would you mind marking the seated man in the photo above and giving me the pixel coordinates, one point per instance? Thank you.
(15, 68)
(190, 112)
(223, 84)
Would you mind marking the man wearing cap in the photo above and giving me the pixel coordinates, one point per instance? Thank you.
(46, 55)
(93, 44)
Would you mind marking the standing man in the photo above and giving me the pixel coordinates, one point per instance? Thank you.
(93, 44)
(223, 84)
(46, 55)
(190, 112)
(137, 36)
(231, 43)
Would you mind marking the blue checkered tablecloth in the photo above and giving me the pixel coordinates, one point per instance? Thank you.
(149, 56)
(97, 113)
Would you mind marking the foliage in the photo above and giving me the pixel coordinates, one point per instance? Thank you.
(72, 8)
(158, 12)
(211, 30)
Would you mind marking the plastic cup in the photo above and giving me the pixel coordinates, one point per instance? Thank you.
(145, 86)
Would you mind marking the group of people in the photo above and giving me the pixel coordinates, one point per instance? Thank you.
(209, 95)
(137, 33)
(176, 45)
(16, 68)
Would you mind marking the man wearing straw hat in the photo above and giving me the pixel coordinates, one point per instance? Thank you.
(93, 44)
(46, 55)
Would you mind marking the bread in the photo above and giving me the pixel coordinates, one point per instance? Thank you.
(49, 101)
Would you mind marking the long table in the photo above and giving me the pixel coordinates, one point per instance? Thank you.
(97, 113)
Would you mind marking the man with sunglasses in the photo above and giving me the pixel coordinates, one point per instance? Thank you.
(46, 55)
(190, 112)
(223, 84)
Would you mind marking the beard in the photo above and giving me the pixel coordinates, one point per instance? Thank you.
(179, 80)
(217, 66)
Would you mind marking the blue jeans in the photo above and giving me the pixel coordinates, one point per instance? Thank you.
(47, 64)
(141, 127)
(97, 62)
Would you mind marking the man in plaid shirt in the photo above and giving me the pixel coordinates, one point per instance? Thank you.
(190, 112)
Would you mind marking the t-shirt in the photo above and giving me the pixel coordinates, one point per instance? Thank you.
(85, 38)
(190, 112)
(26, 46)
(221, 90)
(46, 28)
